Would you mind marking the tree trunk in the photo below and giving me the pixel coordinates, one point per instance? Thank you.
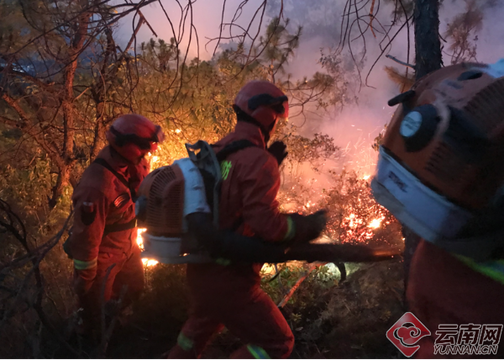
(427, 59)
(427, 44)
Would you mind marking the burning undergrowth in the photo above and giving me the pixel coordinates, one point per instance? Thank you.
(354, 216)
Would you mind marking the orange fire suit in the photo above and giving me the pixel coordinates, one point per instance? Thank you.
(103, 236)
(446, 290)
(229, 294)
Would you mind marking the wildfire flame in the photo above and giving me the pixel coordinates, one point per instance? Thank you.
(358, 229)
(139, 240)
(153, 159)
(149, 262)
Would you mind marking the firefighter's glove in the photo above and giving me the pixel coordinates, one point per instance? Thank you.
(278, 150)
(308, 227)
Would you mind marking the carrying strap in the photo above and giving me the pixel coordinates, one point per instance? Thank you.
(223, 154)
(107, 166)
(123, 226)
(233, 147)
(119, 177)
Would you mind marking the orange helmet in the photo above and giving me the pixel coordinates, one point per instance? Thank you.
(133, 136)
(261, 103)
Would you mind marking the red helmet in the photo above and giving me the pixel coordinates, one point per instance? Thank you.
(133, 136)
(262, 103)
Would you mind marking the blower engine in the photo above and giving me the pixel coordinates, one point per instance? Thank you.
(440, 165)
(165, 198)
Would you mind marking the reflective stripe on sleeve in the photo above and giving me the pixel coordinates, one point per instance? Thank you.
(258, 352)
(83, 265)
(291, 229)
(493, 269)
(184, 342)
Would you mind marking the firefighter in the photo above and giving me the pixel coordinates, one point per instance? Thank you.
(229, 294)
(441, 173)
(102, 243)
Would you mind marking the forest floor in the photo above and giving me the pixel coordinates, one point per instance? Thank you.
(329, 320)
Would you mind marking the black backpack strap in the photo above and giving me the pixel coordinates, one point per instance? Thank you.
(121, 178)
(107, 166)
(233, 147)
(120, 227)
(124, 226)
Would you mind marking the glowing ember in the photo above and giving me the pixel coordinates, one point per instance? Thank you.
(366, 177)
(375, 223)
(178, 131)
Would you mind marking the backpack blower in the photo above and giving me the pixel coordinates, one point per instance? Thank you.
(178, 205)
(440, 170)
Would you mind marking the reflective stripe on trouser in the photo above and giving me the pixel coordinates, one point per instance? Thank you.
(127, 273)
(257, 352)
(193, 339)
(84, 265)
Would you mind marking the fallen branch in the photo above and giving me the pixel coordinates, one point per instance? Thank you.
(298, 283)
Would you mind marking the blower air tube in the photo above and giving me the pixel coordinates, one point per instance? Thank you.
(235, 247)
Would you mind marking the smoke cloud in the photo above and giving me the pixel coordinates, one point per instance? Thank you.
(356, 125)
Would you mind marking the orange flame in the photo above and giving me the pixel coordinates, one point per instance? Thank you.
(139, 240)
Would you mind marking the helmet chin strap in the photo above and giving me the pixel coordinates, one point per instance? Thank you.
(114, 153)
(242, 116)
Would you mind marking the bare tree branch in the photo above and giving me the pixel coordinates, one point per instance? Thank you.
(400, 62)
